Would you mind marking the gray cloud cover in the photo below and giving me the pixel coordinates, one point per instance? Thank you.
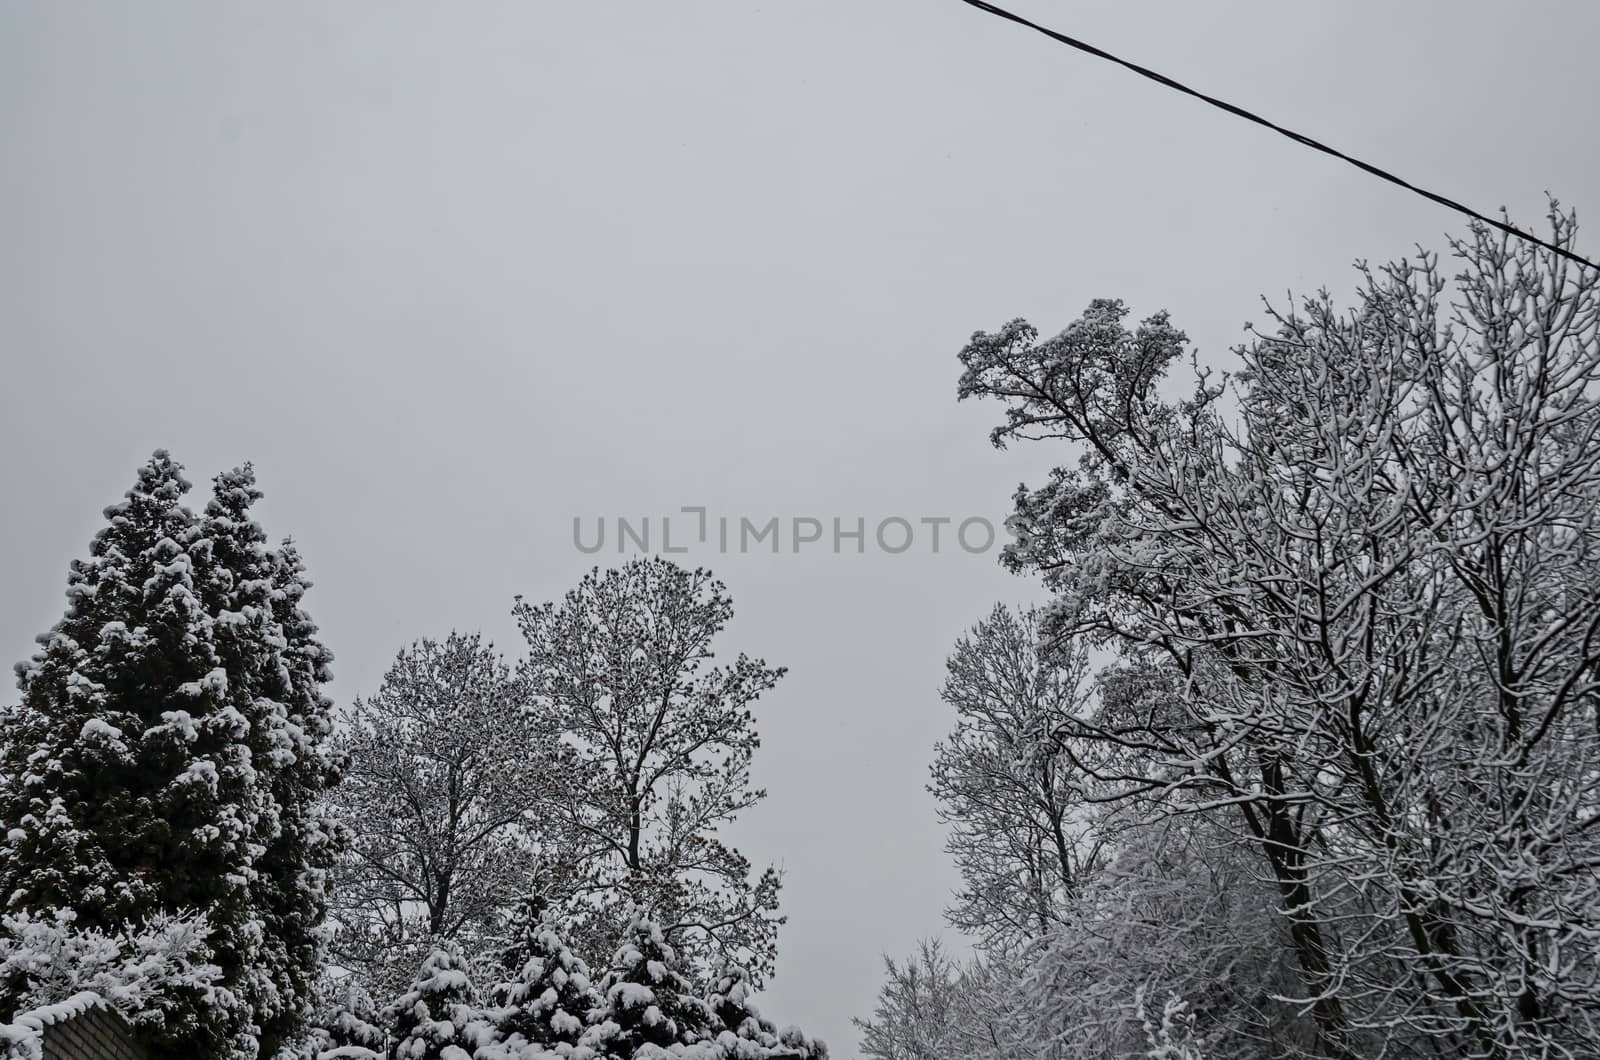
(451, 275)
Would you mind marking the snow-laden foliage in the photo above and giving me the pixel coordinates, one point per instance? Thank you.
(350, 1025)
(1171, 1035)
(158, 973)
(645, 1000)
(624, 669)
(170, 750)
(732, 1002)
(932, 1006)
(268, 646)
(742, 1032)
(1177, 911)
(1076, 905)
(916, 1014)
(1355, 599)
(525, 926)
(446, 776)
(440, 1017)
(643, 1009)
(19, 1041)
(549, 1000)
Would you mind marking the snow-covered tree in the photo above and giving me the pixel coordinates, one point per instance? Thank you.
(624, 668)
(739, 1029)
(732, 1003)
(1019, 830)
(277, 668)
(917, 1012)
(170, 749)
(1371, 587)
(447, 772)
(439, 1018)
(350, 1025)
(549, 999)
(525, 925)
(793, 1044)
(1178, 910)
(645, 999)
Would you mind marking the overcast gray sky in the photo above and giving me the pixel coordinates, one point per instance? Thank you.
(451, 275)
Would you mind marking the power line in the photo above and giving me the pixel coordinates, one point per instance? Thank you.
(1315, 145)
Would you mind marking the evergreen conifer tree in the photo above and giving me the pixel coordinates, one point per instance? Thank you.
(549, 1000)
(169, 751)
(645, 999)
(353, 1024)
(525, 925)
(278, 668)
(742, 1032)
(439, 1017)
(730, 1002)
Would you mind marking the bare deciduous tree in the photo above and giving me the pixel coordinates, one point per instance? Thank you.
(1083, 906)
(916, 1015)
(1378, 590)
(447, 774)
(1018, 831)
(624, 668)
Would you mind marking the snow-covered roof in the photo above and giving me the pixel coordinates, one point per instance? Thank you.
(23, 1037)
(49, 1015)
